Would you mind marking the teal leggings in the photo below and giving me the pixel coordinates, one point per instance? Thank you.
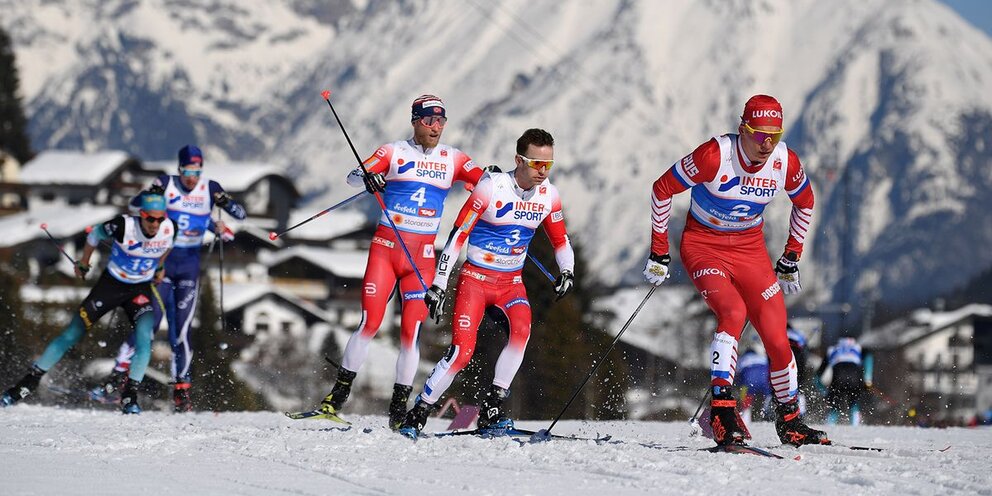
(72, 334)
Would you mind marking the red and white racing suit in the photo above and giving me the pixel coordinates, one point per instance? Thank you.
(499, 220)
(417, 182)
(723, 247)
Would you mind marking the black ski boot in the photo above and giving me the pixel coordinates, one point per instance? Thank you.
(397, 406)
(333, 402)
(416, 419)
(129, 398)
(492, 418)
(110, 391)
(181, 398)
(792, 430)
(24, 387)
(728, 427)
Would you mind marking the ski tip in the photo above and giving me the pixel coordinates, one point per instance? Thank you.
(326, 94)
(273, 236)
(44, 225)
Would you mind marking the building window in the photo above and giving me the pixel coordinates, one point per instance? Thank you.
(262, 322)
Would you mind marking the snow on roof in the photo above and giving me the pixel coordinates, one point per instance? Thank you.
(342, 263)
(62, 221)
(237, 295)
(656, 328)
(233, 176)
(918, 324)
(72, 167)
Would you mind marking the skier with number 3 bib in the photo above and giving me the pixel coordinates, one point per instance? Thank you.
(732, 178)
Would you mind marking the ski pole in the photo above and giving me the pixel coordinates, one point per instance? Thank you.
(274, 235)
(223, 320)
(327, 98)
(44, 227)
(545, 434)
(540, 266)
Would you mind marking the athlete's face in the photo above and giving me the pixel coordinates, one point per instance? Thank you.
(189, 175)
(151, 220)
(759, 141)
(527, 175)
(427, 130)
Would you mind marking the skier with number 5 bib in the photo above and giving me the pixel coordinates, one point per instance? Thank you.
(732, 178)
(414, 177)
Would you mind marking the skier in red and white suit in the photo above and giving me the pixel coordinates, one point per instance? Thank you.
(732, 178)
(414, 177)
(499, 220)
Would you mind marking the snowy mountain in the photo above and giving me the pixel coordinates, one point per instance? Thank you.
(887, 103)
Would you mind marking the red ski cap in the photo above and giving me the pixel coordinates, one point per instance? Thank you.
(762, 110)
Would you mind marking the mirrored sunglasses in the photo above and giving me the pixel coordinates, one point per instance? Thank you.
(190, 172)
(433, 120)
(761, 136)
(152, 219)
(537, 164)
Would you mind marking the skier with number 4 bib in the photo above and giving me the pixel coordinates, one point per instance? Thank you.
(414, 177)
(498, 220)
(732, 178)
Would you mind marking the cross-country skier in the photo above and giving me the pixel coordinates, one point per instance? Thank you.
(498, 220)
(732, 178)
(140, 246)
(847, 385)
(189, 201)
(414, 177)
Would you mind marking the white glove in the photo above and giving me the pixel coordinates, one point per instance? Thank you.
(787, 271)
(656, 270)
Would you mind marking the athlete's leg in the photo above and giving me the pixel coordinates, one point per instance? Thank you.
(180, 314)
(766, 309)
(378, 284)
(104, 296)
(414, 314)
(125, 353)
(517, 309)
(470, 304)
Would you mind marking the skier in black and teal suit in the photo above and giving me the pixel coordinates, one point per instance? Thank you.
(137, 256)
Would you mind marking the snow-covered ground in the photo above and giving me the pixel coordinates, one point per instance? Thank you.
(47, 450)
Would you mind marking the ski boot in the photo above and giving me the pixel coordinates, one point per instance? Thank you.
(181, 398)
(23, 388)
(397, 406)
(728, 427)
(110, 391)
(416, 419)
(791, 429)
(129, 398)
(492, 419)
(332, 403)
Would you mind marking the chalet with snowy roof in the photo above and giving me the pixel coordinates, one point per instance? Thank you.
(74, 178)
(938, 362)
(323, 274)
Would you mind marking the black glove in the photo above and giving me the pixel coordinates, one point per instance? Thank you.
(222, 198)
(434, 299)
(564, 284)
(374, 182)
(156, 189)
(493, 169)
(82, 268)
(787, 271)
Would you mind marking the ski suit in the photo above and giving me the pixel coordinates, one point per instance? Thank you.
(126, 283)
(723, 247)
(847, 386)
(499, 220)
(178, 291)
(417, 182)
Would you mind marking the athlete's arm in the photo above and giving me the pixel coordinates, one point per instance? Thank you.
(554, 226)
(469, 215)
(222, 199)
(378, 163)
(801, 193)
(466, 170)
(699, 166)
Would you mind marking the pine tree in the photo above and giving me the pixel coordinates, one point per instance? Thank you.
(215, 386)
(13, 124)
(13, 355)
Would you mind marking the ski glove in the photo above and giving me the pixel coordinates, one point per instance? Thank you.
(374, 182)
(564, 284)
(493, 169)
(434, 299)
(156, 189)
(787, 271)
(222, 198)
(82, 269)
(656, 270)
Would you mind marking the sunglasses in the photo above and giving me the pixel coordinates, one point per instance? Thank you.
(190, 172)
(537, 164)
(433, 120)
(151, 219)
(762, 136)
